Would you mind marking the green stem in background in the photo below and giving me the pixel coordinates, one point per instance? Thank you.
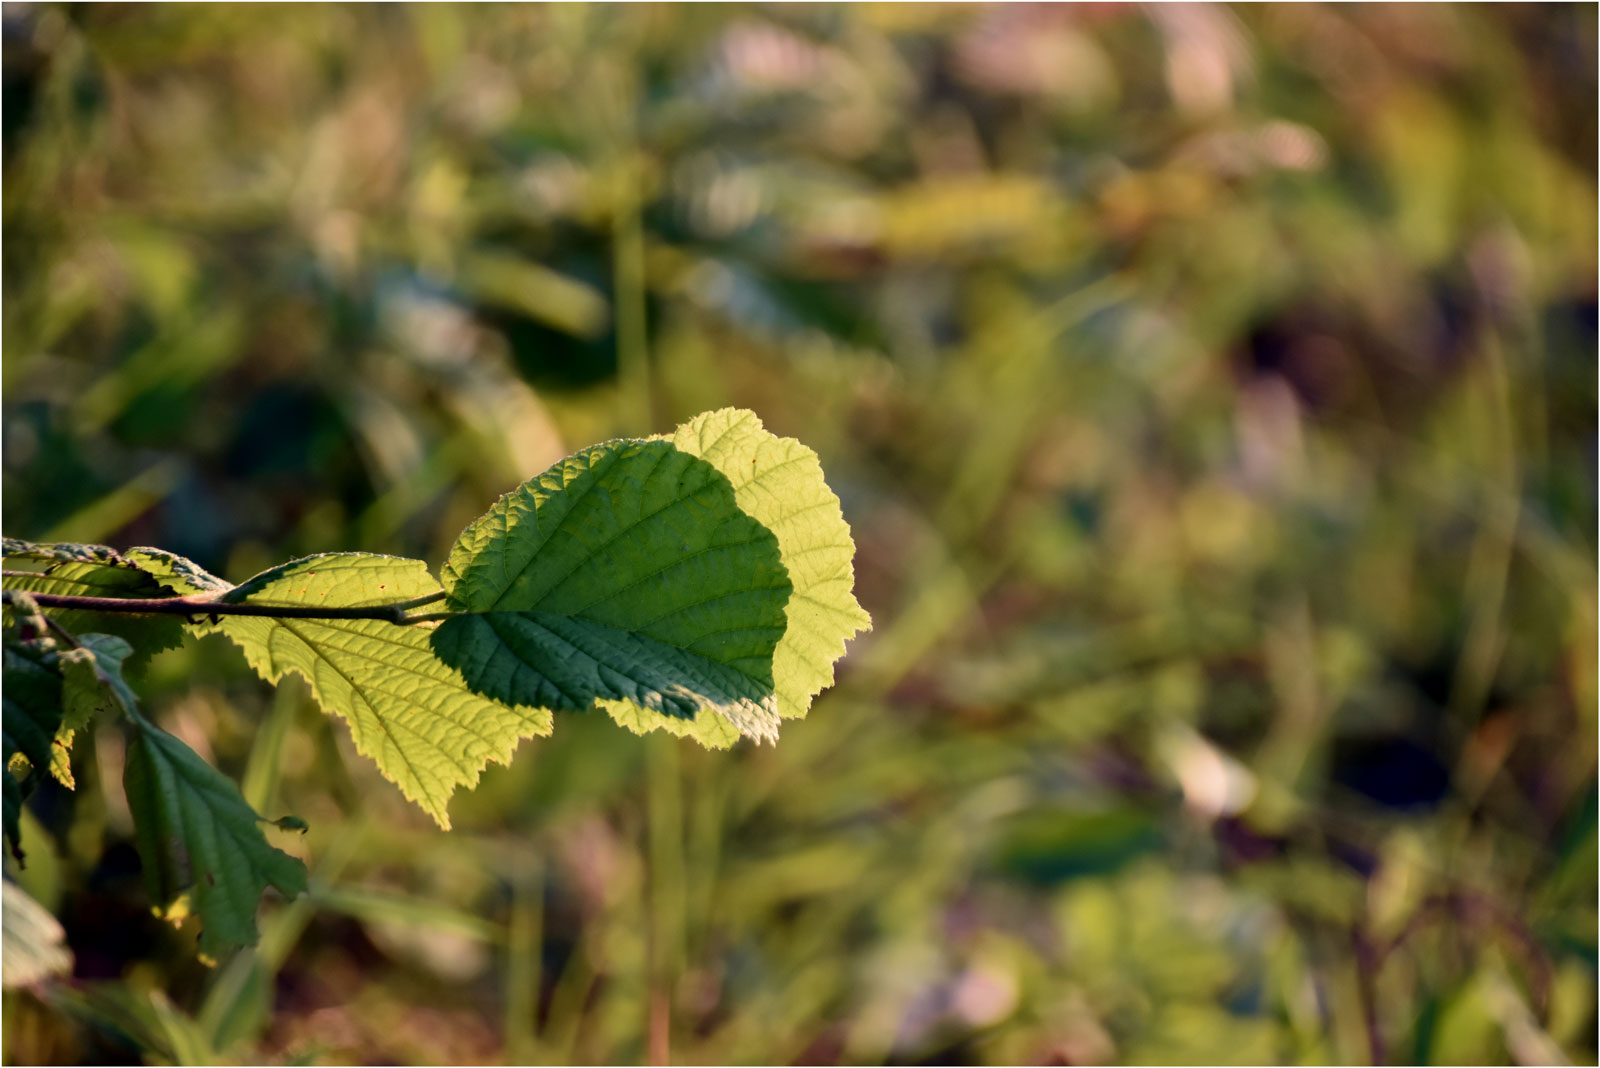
(628, 281)
(523, 971)
(664, 848)
(201, 606)
(1488, 574)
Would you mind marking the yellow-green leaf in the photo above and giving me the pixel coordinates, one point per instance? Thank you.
(409, 712)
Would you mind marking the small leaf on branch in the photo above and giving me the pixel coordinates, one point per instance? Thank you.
(92, 684)
(92, 571)
(62, 552)
(177, 573)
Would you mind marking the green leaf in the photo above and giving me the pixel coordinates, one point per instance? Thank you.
(195, 831)
(92, 684)
(93, 679)
(52, 693)
(93, 571)
(408, 711)
(700, 584)
(191, 824)
(177, 573)
(779, 482)
(625, 577)
(30, 704)
(59, 552)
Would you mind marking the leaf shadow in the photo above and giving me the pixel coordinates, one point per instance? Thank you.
(626, 573)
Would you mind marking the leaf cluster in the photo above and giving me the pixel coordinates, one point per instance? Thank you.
(699, 583)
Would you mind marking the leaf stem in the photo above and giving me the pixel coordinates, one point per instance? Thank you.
(418, 602)
(429, 617)
(61, 632)
(201, 606)
(628, 281)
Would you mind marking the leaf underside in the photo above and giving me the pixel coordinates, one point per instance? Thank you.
(779, 483)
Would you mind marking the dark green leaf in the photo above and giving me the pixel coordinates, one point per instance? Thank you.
(31, 700)
(196, 833)
(625, 576)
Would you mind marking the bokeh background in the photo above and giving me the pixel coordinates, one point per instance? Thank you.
(1211, 392)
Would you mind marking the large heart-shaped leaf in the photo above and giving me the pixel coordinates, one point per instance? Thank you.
(699, 583)
(625, 577)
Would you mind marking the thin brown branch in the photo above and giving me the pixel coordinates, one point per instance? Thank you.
(201, 606)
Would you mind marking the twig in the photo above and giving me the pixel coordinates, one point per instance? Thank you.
(202, 606)
(61, 632)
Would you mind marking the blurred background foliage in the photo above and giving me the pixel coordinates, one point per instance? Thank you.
(1211, 392)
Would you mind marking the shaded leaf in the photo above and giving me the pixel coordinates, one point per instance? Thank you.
(31, 703)
(94, 680)
(195, 832)
(93, 571)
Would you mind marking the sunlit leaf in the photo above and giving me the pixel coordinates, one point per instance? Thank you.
(779, 482)
(408, 711)
(177, 573)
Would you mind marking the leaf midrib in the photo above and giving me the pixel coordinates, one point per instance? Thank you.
(610, 460)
